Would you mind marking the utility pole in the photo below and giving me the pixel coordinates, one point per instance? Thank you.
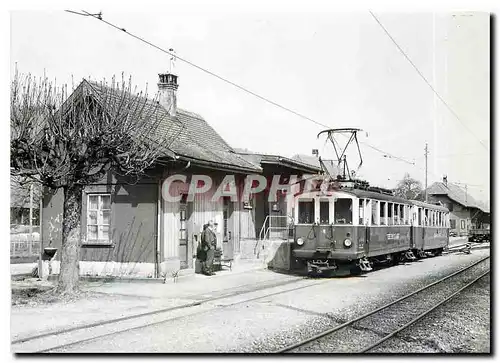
(426, 153)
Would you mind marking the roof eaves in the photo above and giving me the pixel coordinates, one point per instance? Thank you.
(220, 166)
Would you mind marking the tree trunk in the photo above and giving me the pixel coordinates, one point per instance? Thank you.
(70, 248)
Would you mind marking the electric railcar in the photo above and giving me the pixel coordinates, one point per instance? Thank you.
(351, 229)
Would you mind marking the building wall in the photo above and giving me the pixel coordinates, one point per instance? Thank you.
(132, 247)
(458, 213)
(199, 212)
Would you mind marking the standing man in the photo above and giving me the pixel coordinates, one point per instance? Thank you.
(210, 240)
(201, 252)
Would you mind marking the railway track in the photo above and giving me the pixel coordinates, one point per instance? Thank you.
(101, 329)
(68, 337)
(329, 341)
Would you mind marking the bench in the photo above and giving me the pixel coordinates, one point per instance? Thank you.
(220, 260)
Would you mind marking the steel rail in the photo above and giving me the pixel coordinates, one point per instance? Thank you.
(158, 312)
(370, 313)
(423, 315)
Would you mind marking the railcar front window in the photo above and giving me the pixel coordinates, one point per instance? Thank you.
(343, 211)
(324, 212)
(306, 212)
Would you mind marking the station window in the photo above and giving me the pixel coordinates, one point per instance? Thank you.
(306, 212)
(374, 213)
(383, 219)
(324, 212)
(453, 223)
(343, 211)
(98, 218)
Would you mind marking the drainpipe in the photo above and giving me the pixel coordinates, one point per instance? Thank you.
(158, 231)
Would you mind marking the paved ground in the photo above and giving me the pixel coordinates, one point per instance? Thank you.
(256, 311)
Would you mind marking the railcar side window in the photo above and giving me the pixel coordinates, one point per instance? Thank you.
(383, 206)
(306, 212)
(397, 215)
(324, 212)
(390, 207)
(419, 213)
(374, 213)
(343, 211)
(361, 211)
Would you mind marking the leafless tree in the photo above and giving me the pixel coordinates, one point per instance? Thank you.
(409, 188)
(68, 142)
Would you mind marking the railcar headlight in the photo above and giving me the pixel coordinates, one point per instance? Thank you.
(347, 242)
(300, 241)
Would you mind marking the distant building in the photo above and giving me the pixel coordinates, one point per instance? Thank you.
(20, 203)
(465, 212)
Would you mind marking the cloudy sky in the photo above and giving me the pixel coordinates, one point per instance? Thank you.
(338, 68)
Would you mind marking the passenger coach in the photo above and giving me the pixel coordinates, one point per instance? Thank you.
(351, 229)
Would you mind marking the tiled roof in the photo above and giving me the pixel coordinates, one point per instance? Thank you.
(457, 194)
(330, 165)
(259, 159)
(193, 138)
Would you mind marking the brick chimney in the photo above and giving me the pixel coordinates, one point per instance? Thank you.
(167, 88)
(445, 180)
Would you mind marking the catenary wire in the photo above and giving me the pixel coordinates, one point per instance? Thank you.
(99, 17)
(425, 80)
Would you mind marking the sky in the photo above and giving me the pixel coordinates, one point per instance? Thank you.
(338, 68)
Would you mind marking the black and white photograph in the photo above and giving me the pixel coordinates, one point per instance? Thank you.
(214, 178)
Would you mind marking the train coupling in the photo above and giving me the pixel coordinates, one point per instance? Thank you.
(319, 266)
(364, 264)
(410, 256)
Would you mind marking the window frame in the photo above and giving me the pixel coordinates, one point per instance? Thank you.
(375, 213)
(383, 213)
(325, 201)
(99, 212)
(306, 200)
(335, 200)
